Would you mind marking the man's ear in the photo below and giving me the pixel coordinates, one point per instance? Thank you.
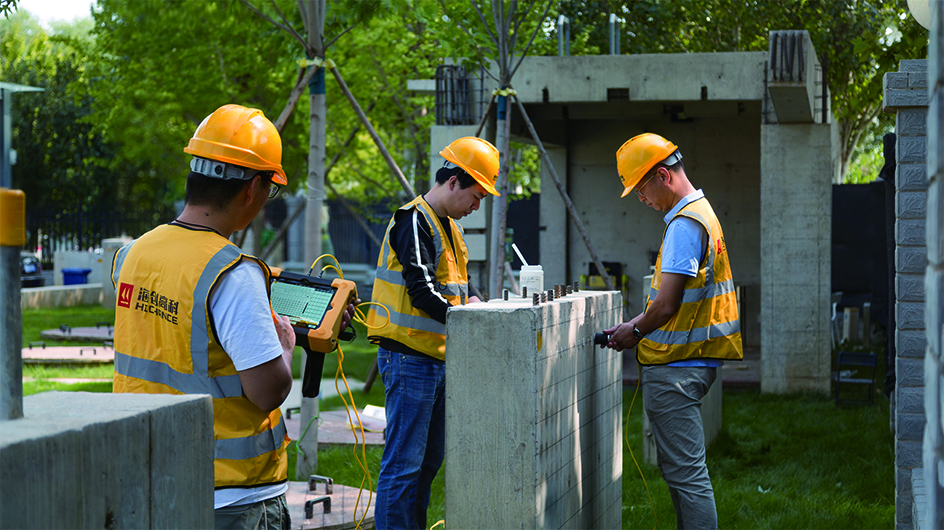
(251, 190)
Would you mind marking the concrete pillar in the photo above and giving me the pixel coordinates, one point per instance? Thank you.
(934, 281)
(555, 221)
(797, 165)
(906, 94)
(533, 414)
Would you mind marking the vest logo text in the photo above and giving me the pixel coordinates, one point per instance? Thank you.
(156, 304)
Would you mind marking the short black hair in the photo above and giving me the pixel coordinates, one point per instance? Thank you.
(212, 192)
(444, 173)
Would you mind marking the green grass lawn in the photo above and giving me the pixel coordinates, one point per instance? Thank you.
(780, 461)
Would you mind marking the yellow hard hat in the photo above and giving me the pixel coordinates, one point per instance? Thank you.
(477, 157)
(237, 135)
(640, 154)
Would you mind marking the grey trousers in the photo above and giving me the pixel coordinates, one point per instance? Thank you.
(672, 398)
(270, 514)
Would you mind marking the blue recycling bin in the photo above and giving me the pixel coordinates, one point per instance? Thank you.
(75, 276)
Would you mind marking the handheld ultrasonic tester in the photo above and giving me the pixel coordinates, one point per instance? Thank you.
(315, 307)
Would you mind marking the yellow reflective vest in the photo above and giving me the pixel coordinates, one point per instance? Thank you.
(165, 343)
(706, 325)
(408, 325)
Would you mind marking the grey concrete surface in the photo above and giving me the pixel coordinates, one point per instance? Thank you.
(86, 460)
(61, 296)
(533, 415)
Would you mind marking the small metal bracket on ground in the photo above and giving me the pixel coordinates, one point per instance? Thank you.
(310, 506)
(313, 481)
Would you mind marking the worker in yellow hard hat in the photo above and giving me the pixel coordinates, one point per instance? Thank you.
(689, 326)
(193, 315)
(421, 272)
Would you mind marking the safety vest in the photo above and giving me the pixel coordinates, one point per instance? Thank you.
(408, 325)
(706, 325)
(165, 343)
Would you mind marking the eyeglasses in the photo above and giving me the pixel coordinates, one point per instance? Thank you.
(638, 189)
(273, 190)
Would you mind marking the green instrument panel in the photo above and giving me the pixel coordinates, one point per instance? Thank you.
(302, 304)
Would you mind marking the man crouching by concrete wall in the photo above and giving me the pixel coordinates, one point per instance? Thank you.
(421, 272)
(193, 315)
(690, 324)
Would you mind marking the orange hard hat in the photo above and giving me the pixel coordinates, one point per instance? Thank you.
(477, 157)
(640, 154)
(237, 135)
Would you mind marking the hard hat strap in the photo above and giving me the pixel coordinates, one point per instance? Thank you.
(217, 169)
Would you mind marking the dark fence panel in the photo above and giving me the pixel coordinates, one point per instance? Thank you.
(351, 244)
(49, 231)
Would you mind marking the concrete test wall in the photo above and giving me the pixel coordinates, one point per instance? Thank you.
(533, 414)
(906, 94)
(86, 460)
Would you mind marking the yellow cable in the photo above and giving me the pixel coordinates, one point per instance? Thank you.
(633, 456)
(361, 318)
(337, 266)
(362, 459)
(440, 522)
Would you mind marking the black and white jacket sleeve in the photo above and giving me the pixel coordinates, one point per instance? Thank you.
(413, 243)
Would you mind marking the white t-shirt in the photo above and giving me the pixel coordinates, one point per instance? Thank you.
(250, 339)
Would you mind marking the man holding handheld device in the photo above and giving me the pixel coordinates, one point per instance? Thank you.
(193, 315)
(690, 323)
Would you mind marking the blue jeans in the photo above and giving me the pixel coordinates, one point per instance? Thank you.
(415, 442)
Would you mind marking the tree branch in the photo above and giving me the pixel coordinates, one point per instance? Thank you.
(332, 41)
(524, 53)
(288, 30)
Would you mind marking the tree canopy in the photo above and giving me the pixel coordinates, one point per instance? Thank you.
(125, 92)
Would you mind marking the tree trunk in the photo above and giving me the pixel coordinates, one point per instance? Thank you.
(307, 463)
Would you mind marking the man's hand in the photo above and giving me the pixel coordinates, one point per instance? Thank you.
(473, 299)
(621, 335)
(287, 338)
(349, 313)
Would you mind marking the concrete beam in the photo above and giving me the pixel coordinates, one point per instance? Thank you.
(792, 76)
(85, 460)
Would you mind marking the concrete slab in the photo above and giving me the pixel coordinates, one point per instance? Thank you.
(68, 355)
(335, 429)
(348, 506)
(99, 333)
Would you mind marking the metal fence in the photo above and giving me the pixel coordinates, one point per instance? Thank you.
(51, 231)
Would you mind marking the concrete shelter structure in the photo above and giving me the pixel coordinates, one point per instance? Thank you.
(755, 137)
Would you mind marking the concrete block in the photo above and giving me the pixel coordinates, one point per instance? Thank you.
(548, 454)
(913, 65)
(61, 296)
(911, 205)
(894, 80)
(934, 314)
(911, 232)
(912, 149)
(911, 122)
(911, 260)
(911, 343)
(910, 315)
(908, 453)
(909, 371)
(909, 288)
(910, 426)
(108, 461)
(910, 400)
(912, 176)
(918, 81)
(896, 99)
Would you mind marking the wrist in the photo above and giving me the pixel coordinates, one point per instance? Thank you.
(636, 333)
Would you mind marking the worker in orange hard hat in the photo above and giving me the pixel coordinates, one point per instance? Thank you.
(193, 315)
(421, 272)
(689, 326)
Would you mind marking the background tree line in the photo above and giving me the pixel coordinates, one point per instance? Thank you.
(125, 88)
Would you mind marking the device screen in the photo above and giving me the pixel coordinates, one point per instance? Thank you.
(303, 304)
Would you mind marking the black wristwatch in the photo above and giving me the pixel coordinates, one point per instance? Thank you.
(636, 333)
